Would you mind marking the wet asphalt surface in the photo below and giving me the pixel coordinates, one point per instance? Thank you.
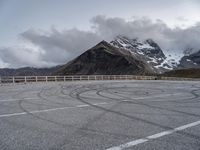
(97, 115)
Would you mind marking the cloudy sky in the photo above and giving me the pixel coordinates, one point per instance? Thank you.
(43, 33)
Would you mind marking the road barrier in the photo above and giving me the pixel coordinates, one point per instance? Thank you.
(28, 79)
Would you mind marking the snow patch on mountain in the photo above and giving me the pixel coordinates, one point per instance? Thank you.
(145, 46)
(172, 58)
(158, 59)
(148, 50)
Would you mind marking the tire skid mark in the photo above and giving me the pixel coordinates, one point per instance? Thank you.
(76, 94)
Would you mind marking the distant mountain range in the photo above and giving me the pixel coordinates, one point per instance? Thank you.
(156, 57)
(106, 59)
(28, 71)
(120, 56)
(186, 73)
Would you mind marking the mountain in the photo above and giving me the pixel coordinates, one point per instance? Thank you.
(120, 56)
(106, 59)
(28, 71)
(190, 61)
(185, 73)
(148, 50)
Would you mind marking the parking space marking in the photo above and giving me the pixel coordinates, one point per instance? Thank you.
(13, 100)
(48, 110)
(155, 136)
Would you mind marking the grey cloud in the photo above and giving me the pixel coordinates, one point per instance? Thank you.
(139, 28)
(22, 57)
(58, 47)
(176, 39)
(61, 46)
(181, 18)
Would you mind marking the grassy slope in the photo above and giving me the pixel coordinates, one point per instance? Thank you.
(187, 73)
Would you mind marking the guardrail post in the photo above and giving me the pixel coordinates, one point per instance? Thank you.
(55, 78)
(25, 79)
(46, 78)
(36, 79)
(72, 78)
(64, 78)
(88, 77)
(13, 79)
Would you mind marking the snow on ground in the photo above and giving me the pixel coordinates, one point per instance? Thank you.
(145, 46)
(135, 46)
(172, 57)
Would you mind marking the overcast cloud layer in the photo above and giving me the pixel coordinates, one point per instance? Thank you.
(52, 47)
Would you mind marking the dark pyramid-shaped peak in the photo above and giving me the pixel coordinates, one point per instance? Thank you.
(102, 44)
(105, 59)
(107, 47)
(190, 61)
(152, 43)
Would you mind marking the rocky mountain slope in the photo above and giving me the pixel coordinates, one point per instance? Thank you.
(106, 59)
(28, 71)
(155, 56)
(186, 73)
(147, 50)
(121, 56)
(190, 61)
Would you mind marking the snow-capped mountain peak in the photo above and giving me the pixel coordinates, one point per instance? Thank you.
(160, 60)
(147, 49)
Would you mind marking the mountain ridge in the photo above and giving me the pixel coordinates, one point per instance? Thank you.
(120, 56)
(105, 59)
(150, 51)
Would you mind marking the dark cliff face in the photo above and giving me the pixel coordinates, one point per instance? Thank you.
(191, 61)
(28, 71)
(105, 59)
(186, 73)
(156, 52)
(147, 50)
(121, 56)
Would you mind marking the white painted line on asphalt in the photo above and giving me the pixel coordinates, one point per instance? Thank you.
(9, 100)
(155, 136)
(13, 100)
(96, 104)
(29, 98)
(82, 106)
(103, 103)
(48, 110)
(14, 114)
(155, 96)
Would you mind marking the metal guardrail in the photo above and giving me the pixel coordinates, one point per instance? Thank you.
(28, 79)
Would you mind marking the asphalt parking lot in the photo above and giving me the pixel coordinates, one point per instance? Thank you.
(100, 115)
